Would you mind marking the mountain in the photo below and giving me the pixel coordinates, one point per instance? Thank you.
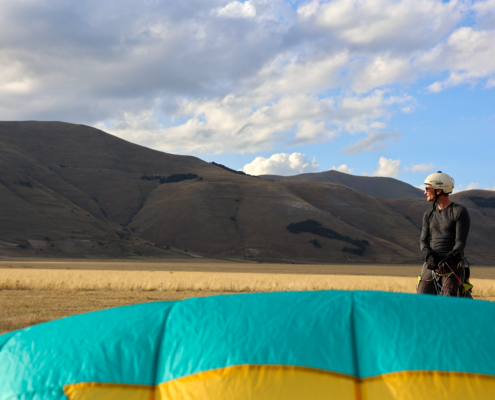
(73, 190)
(77, 186)
(379, 187)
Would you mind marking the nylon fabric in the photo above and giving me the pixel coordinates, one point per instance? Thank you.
(108, 391)
(428, 385)
(419, 334)
(244, 382)
(322, 341)
(354, 334)
(115, 345)
(262, 382)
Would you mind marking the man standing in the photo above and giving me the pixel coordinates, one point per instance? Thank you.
(443, 239)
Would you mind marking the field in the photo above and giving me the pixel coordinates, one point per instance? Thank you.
(32, 292)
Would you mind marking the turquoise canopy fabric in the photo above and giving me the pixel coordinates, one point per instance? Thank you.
(359, 335)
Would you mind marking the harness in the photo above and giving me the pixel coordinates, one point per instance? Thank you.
(460, 278)
(464, 287)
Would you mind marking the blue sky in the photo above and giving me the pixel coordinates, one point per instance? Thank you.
(398, 88)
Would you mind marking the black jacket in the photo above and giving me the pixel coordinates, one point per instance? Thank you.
(445, 230)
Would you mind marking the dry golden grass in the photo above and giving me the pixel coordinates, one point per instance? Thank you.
(231, 282)
(29, 296)
(21, 308)
(178, 281)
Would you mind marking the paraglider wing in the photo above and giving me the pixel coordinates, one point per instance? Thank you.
(290, 345)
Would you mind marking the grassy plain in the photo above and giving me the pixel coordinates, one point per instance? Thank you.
(32, 292)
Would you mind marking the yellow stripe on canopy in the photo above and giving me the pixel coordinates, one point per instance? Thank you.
(425, 385)
(268, 382)
(108, 391)
(261, 382)
(240, 382)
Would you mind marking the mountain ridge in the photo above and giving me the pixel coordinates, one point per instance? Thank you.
(73, 190)
(379, 187)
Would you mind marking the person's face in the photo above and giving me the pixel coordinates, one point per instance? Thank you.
(429, 193)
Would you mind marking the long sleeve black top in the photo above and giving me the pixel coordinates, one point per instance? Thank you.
(445, 230)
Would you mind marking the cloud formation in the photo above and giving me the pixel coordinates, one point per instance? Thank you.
(342, 168)
(212, 76)
(236, 9)
(468, 55)
(387, 167)
(374, 142)
(281, 164)
(471, 186)
(420, 168)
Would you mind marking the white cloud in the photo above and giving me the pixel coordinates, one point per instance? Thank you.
(469, 186)
(419, 168)
(387, 167)
(281, 164)
(94, 61)
(342, 168)
(410, 24)
(484, 8)
(382, 71)
(468, 54)
(247, 123)
(485, 13)
(237, 9)
(211, 76)
(373, 142)
(472, 185)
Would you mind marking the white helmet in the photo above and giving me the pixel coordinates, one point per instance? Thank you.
(440, 180)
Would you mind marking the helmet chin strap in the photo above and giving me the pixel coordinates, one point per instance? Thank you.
(436, 198)
(433, 207)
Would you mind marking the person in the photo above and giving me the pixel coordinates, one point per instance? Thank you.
(443, 239)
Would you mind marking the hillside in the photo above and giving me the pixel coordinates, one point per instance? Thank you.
(74, 190)
(77, 186)
(379, 187)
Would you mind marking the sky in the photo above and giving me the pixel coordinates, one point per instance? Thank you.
(398, 88)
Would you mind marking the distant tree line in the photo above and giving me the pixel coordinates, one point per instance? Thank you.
(315, 243)
(151, 177)
(359, 251)
(483, 201)
(178, 178)
(228, 169)
(314, 227)
(231, 170)
(26, 183)
(172, 178)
